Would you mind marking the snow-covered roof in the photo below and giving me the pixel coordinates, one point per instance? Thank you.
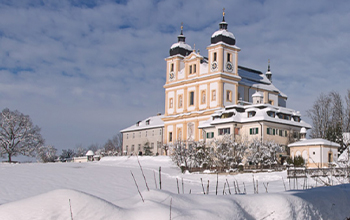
(257, 94)
(240, 115)
(150, 122)
(317, 141)
(257, 79)
(224, 33)
(181, 45)
(90, 153)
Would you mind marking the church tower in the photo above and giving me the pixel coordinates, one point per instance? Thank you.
(223, 59)
(197, 86)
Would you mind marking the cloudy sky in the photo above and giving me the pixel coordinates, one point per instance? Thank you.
(84, 71)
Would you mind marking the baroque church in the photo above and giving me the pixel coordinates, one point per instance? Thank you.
(208, 97)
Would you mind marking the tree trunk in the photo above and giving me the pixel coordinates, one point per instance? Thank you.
(10, 158)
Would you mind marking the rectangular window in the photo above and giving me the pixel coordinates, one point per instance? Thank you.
(133, 135)
(160, 132)
(191, 98)
(127, 136)
(152, 145)
(280, 133)
(170, 136)
(253, 131)
(214, 58)
(223, 131)
(171, 103)
(132, 147)
(139, 147)
(213, 95)
(147, 122)
(210, 135)
(152, 132)
(228, 57)
(146, 134)
(228, 96)
(190, 69)
(172, 67)
(126, 148)
(194, 68)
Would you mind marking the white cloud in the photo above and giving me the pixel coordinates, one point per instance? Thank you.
(83, 72)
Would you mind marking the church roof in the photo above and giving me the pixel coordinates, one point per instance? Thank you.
(148, 123)
(257, 79)
(238, 114)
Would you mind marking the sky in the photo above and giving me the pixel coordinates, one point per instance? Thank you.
(84, 70)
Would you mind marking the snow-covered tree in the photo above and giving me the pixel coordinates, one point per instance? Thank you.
(18, 135)
(263, 153)
(80, 151)
(46, 154)
(67, 154)
(147, 149)
(226, 152)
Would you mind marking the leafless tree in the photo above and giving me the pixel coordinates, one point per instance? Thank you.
(18, 135)
(114, 145)
(46, 154)
(347, 112)
(328, 118)
(320, 115)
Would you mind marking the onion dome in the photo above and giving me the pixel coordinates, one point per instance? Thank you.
(222, 35)
(180, 47)
(90, 153)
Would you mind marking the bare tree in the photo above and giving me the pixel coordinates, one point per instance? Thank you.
(80, 150)
(347, 113)
(320, 116)
(18, 135)
(114, 145)
(328, 118)
(46, 154)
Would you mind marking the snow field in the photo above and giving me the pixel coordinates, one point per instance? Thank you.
(106, 190)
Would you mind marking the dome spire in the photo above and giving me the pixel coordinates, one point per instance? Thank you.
(181, 37)
(268, 73)
(223, 24)
(223, 15)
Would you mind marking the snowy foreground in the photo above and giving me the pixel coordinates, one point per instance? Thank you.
(106, 190)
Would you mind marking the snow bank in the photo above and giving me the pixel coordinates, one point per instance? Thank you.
(318, 203)
(55, 205)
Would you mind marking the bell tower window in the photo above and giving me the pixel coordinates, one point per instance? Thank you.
(228, 57)
(190, 69)
(172, 67)
(214, 57)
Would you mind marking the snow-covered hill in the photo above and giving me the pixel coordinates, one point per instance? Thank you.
(106, 190)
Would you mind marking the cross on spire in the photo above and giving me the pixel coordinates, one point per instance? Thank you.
(223, 14)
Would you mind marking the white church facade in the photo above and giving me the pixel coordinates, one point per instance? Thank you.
(207, 97)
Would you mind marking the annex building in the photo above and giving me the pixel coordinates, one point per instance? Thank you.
(209, 96)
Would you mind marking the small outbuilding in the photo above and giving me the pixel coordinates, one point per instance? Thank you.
(317, 153)
(90, 155)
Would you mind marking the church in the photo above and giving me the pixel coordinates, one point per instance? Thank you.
(207, 97)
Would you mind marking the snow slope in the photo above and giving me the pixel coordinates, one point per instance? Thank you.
(106, 190)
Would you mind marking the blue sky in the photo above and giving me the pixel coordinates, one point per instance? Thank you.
(84, 71)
